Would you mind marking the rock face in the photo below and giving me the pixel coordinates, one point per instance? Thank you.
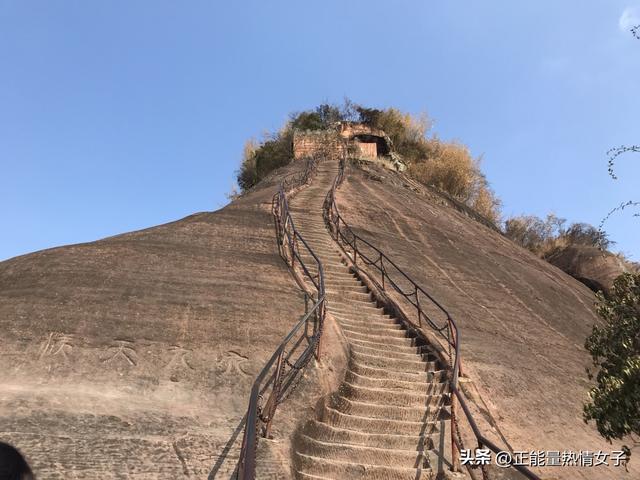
(523, 322)
(133, 356)
(593, 267)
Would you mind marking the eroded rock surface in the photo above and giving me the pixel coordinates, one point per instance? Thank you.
(133, 356)
(595, 268)
(523, 321)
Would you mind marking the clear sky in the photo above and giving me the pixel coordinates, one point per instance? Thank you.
(120, 115)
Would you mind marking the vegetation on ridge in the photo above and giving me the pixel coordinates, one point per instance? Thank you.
(448, 166)
(546, 236)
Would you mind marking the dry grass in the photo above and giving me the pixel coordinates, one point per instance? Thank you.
(450, 167)
(447, 166)
(546, 236)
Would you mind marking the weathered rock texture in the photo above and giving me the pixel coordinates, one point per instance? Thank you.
(593, 267)
(523, 321)
(133, 356)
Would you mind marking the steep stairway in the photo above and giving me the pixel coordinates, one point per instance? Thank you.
(388, 418)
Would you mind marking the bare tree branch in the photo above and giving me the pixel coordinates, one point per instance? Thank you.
(613, 153)
(619, 208)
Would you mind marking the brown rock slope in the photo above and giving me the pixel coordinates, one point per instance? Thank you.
(595, 268)
(133, 356)
(523, 322)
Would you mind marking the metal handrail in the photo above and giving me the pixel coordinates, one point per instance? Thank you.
(283, 378)
(448, 331)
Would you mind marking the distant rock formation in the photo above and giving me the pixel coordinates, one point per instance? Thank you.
(595, 268)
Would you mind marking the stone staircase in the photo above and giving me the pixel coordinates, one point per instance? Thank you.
(390, 417)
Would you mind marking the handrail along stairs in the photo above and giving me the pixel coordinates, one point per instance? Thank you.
(283, 370)
(357, 247)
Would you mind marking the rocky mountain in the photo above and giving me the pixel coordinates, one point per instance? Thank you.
(133, 356)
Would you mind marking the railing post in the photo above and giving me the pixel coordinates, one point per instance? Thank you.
(355, 251)
(306, 310)
(247, 460)
(454, 449)
(292, 249)
(382, 269)
(240, 473)
(306, 303)
(275, 393)
(320, 321)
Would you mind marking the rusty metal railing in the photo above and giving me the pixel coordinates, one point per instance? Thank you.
(283, 371)
(428, 312)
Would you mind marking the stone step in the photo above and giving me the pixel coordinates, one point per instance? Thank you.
(317, 247)
(428, 413)
(327, 260)
(325, 257)
(373, 323)
(329, 267)
(360, 454)
(358, 471)
(362, 312)
(349, 317)
(344, 282)
(327, 433)
(338, 419)
(347, 288)
(342, 278)
(354, 336)
(308, 476)
(373, 336)
(385, 373)
(318, 240)
(388, 396)
(385, 333)
(339, 271)
(393, 364)
(317, 237)
(356, 308)
(359, 295)
(340, 316)
(358, 304)
(313, 226)
(376, 325)
(433, 380)
(327, 248)
(407, 348)
(425, 355)
(336, 274)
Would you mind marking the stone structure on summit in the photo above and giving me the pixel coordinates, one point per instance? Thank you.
(361, 140)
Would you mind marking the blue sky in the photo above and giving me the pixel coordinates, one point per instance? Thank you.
(120, 115)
